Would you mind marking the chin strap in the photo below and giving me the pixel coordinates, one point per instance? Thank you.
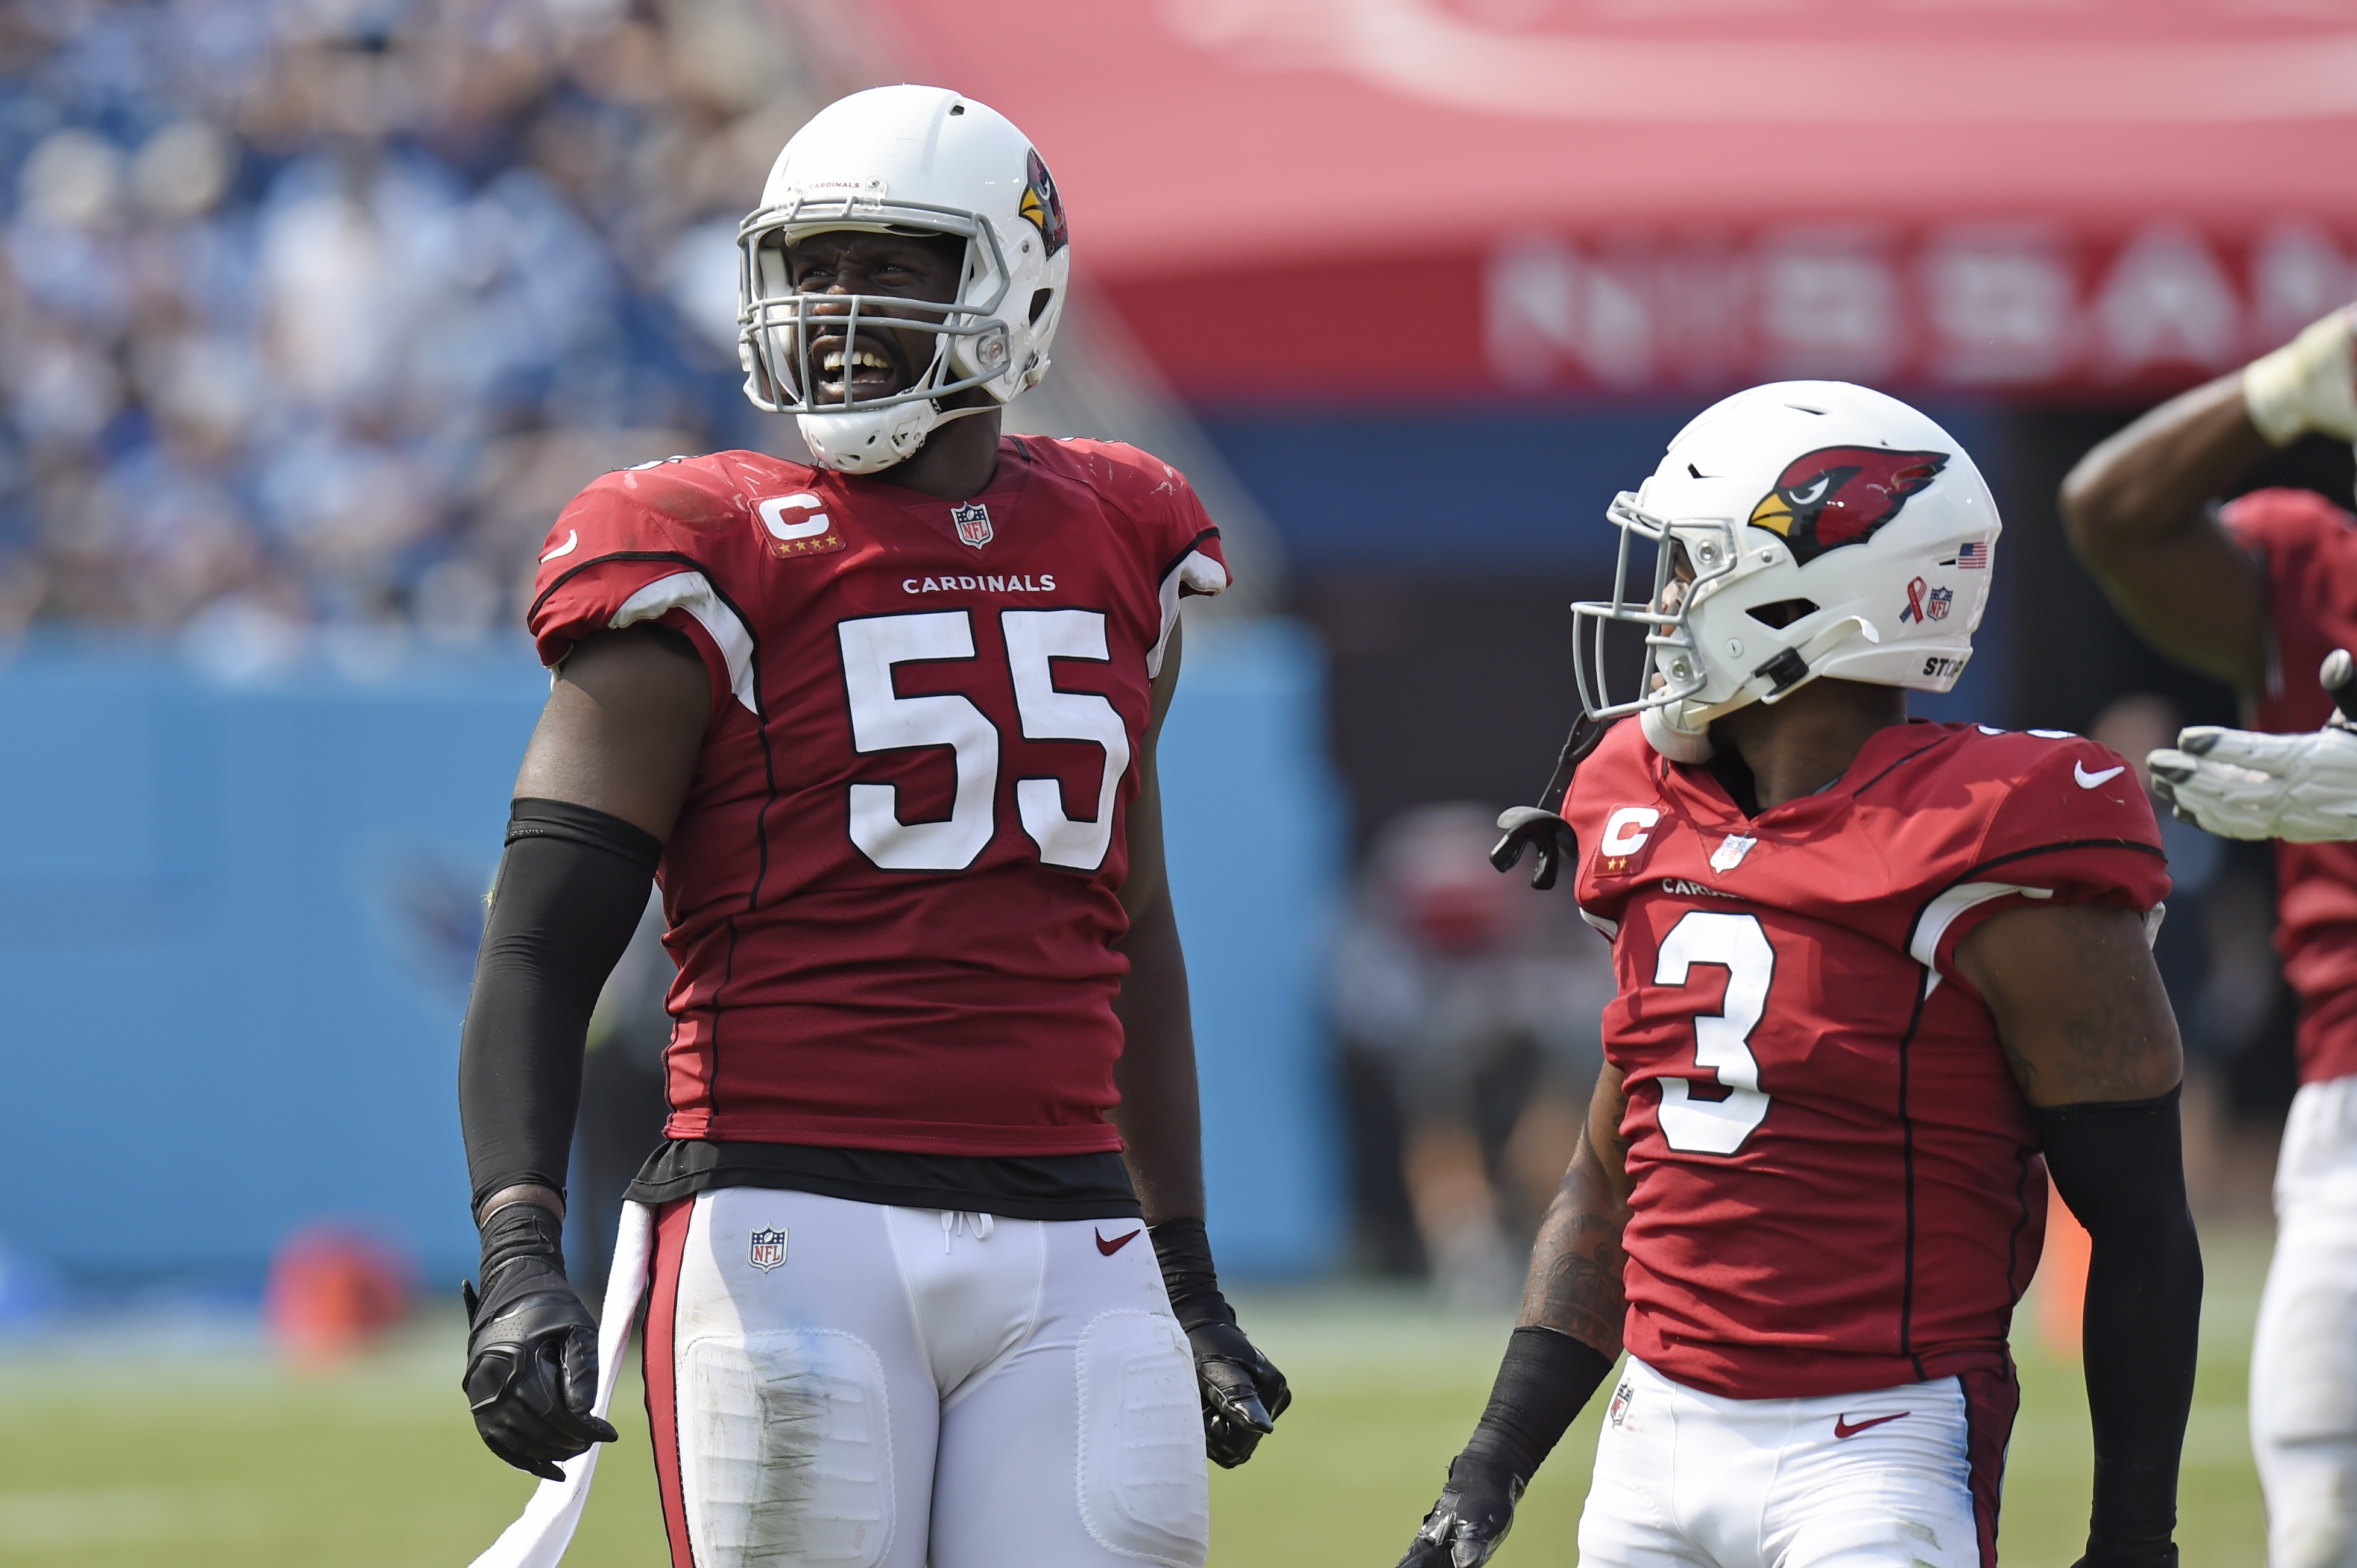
(842, 457)
(1541, 827)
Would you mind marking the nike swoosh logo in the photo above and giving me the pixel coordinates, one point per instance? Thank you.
(1115, 1245)
(572, 542)
(2089, 781)
(1842, 1428)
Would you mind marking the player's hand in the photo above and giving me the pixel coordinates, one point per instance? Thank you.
(1528, 827)
(2308, 384)
(2241, 784)
(1475, 1511)
(1243, 1393)
(531, 1349)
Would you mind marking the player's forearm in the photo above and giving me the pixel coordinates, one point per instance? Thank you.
(572, 886)
(2139, 510)
(1575, 1283)
(1559, 1354)
(1161, 1114)
(2154, 480)
(2120, 1167)
(2141, 1384)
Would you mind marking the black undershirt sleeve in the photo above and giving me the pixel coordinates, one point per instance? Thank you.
(570, 891)
(2121, 1169)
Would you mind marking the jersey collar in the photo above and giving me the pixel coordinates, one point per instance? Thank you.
(1884, 750)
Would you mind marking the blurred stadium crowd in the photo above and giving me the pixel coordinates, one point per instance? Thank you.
(312, 312)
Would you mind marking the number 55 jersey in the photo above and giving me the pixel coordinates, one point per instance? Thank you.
(892, 890)
(1835, 1181)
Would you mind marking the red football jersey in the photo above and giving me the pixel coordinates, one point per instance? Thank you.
(2309, 547)
(1836, 1183)
(891, 894)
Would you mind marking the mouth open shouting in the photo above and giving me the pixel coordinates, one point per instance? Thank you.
(868, 365)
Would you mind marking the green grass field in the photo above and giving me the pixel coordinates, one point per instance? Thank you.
(225, 1457)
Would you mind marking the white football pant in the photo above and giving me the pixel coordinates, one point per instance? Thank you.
(1881, 1479)
(2304, 1360)
(847, 1385)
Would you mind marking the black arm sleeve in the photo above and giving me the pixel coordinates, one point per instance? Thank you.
(1547, 1379)
(2121, 1169)
(571, 890)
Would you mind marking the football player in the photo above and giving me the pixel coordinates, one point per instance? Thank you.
(884, 729)
(1874, 973)
(2257, 593)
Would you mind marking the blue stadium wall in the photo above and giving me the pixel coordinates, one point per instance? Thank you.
(238, 922)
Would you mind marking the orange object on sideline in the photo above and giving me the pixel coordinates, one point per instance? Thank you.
(2061, 1300)
(331, 1292)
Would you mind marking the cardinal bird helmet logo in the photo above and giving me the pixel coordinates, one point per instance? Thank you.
(1043, 206)
(1841, 495)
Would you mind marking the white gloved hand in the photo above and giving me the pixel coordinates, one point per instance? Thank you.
(2241, 784)
(2308, 384)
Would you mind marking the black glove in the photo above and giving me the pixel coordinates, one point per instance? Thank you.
(1475, 1511)
(2103, 1553)
(531, 1349)
(1243, 1393)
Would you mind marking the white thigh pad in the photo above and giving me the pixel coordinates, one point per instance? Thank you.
(785, 1451)
(1143, 1491)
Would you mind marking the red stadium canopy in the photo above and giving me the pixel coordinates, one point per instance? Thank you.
(1393, 198)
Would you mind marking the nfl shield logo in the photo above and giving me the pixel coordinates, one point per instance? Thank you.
(768, 1250)
(1730, 851)
(972, 521)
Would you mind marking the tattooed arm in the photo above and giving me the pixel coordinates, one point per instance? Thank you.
(2078, 1005)
(2089, 1036)
(1561, 1351)
(1574, 1279)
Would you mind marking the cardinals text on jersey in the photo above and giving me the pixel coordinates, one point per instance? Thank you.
(891, 893)
(1836, 1183)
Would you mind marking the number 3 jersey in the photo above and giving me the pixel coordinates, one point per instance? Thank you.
(1836, 1182)
(891, 893)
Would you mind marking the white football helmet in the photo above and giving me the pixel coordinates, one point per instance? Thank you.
(904, 160)
(1799, 528)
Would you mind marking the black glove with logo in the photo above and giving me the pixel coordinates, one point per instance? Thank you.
(1243, 1393)
(531, 1349)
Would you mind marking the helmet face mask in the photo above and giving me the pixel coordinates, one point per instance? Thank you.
(778, 323)
(1689, 559)
(903, 161)
(1800, 529)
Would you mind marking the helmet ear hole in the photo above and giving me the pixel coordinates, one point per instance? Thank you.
(1782, 612)
(1041, 299)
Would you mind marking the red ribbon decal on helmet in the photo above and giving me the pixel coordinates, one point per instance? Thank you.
(1914, 611)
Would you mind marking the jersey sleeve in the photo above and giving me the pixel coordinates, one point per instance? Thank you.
(637, 546)
(1191, 561)
(1181, 541)
(2300, 539)
(2075, 827)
